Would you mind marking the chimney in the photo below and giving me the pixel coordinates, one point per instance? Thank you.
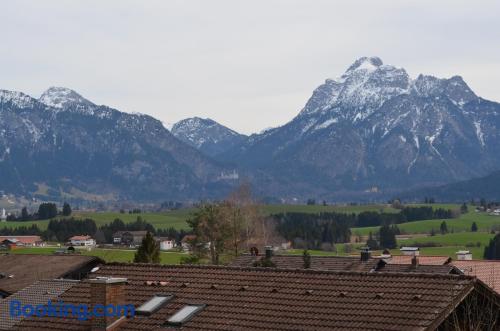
(269, 252)
(365, 253)
(106, 291)
(464, 255)
(414, 262)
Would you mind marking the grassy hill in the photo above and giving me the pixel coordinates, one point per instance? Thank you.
(463, 223)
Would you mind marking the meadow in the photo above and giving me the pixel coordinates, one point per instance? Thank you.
(108, 255)
(459, 237)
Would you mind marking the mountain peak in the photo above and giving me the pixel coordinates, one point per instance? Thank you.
(366, 63)
(61, 97)
(206, 135)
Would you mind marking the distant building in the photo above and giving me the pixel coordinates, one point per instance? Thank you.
(165, 243)
(27, 241)
(82, 241)
(128, 237)
(412, 251)
(3, 216)
(187, 242)
(464, 255)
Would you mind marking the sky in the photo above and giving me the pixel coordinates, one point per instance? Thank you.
(249, 65)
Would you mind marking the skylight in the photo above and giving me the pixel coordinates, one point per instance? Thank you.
(153, 304)
(185, 314)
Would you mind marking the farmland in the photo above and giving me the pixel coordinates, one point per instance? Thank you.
(418, 232)
(108, 255)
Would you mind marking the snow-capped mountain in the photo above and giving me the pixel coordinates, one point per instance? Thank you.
(64, 145)
(62, 98)
(206, 135)
(374, 128)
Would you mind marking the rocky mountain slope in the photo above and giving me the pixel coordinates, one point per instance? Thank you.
(375, 129)
(207, 135)
(64, 146)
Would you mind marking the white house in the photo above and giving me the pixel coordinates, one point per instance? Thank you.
(82, 241)
(3, 216)
(165, 243)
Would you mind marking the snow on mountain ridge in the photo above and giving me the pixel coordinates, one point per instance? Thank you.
(366, 85)
(61, 97)
(19, 99)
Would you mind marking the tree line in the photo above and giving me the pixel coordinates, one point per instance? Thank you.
(315, 229)
(46, 210)
(61, 230)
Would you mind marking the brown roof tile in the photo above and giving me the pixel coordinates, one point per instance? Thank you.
(427, 260)
(38, 293)
(486, 271)
(277, 299)
(22, 270)
(333, 263)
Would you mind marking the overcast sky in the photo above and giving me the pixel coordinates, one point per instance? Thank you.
(248, 64)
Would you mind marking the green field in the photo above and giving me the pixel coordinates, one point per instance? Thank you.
(108, 255)
(459, 237)
(463, 223)
(275, 209)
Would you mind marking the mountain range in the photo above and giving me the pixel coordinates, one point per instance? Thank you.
(371, 133)
(64, 146)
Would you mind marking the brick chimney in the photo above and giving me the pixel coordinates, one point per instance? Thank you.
(269, 252)
(365, 254)
(414, 262)
(106, 291)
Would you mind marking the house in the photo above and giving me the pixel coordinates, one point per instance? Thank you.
(82, 241)
(18, 271)
(128, 237)
(10, 244)
(181, 297)
(3, 216)
(30, 241)
(187, 242)
(165, 243)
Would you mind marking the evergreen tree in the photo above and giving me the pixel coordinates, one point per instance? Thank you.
(492, 251)
(307, 259)
(24, 214)
(66, 211)
(371, 242)
(473, 227)
(387, 237)
(443, 228)
(149, 251)
(47, 210)
(463, 208)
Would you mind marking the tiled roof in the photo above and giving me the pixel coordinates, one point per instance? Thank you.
(23, 239)
(333, 263)
(277, 299)
(427, 260)
(487, 271)
(25, 269)
(421, 268)
(36, 294)
(80, 238)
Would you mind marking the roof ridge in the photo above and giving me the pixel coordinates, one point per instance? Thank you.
(288, 270)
